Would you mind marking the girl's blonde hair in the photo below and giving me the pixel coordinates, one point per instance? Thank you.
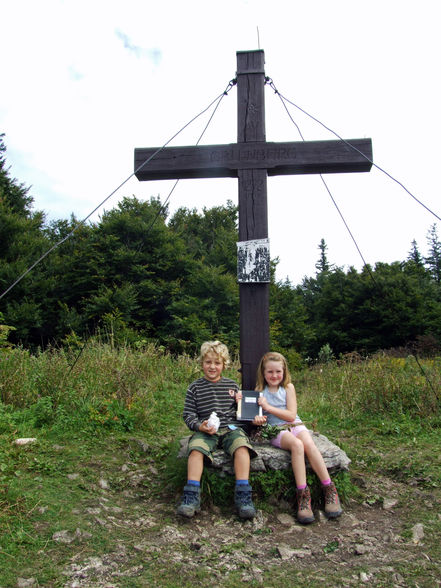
(216, 347)
(272, 356)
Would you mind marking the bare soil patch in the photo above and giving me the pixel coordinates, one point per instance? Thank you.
(377, 542)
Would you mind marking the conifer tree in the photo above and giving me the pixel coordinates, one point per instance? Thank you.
(415, 256)
(13, 195)
(322, 264)
(433, 260)
(21, 243)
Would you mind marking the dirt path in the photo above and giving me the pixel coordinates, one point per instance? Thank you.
(376, 543)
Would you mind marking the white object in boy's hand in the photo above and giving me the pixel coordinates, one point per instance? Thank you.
(213, 421)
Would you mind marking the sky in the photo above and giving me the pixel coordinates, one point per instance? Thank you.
(85, 82)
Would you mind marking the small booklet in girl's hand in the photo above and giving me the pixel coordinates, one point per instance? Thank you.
(247, 406)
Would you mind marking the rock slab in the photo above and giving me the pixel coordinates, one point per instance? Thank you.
(271, 458)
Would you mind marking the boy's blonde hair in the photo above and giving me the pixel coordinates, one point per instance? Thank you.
(216, 347)
(272, 356)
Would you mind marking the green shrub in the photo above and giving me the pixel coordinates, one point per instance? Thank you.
(273, 486)
(4, 334)
(42, 411)
(325, 355)
(6, 419)
(111, 413)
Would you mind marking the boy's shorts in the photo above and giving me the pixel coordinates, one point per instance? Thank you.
(226, 439)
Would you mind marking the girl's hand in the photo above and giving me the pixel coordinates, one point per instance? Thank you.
(263, 402)
(259, 420)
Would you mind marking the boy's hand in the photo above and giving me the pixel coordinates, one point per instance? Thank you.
(204, 428)
(259, 420)
(238, 395)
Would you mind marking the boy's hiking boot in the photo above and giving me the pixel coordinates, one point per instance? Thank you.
(332, 501)
(190, 502)
(243, 502)
(304, 510)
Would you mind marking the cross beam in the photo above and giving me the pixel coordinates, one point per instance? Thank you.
(251, 160)
(224, 161)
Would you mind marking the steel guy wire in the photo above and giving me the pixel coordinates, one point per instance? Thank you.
(271, 84)
(82, 222)
(283, 98)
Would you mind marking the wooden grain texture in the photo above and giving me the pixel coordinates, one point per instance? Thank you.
(251, 160)
(253, 209)
(254, 329)
(225, 161)
(250, 96)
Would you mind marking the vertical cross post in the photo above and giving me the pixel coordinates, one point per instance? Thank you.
(251, 160)
(253, 212)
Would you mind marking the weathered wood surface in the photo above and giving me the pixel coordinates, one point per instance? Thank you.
(254, 342)
(224, 161)
(251, 159)
(271, 458)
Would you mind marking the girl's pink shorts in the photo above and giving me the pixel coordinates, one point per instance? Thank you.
(293, 430)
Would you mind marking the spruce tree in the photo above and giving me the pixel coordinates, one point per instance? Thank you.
(415, 256)
(433, 260)
(322, 264)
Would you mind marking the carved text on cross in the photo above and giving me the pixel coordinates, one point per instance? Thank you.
(251, 160)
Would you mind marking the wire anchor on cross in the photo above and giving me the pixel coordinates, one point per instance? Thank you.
(251, 160)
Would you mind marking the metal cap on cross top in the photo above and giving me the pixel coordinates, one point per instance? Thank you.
(251, 160)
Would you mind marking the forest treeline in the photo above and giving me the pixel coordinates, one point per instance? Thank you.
(140, 274)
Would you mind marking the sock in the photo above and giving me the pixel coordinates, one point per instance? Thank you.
(193, 483)
(326, 482)
(302, 487)
(241, 482)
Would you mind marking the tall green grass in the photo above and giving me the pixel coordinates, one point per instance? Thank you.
(103, 386)
(382, 386)
(84, 405)
(99, 387)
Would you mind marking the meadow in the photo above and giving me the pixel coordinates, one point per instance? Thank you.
(85, 406)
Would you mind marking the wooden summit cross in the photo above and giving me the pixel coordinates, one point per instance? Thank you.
(250, 160)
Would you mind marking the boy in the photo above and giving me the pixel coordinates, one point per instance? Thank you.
(214, 393)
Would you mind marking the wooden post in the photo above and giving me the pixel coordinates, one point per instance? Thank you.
(250, 160)
(253, 212)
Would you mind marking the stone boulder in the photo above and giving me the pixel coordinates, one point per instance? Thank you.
(271, 458)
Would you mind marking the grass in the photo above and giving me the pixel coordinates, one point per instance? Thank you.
(86, 409)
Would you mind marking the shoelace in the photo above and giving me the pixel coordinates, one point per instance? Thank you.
(189, 497)
(330, 494)
(304, 501)
(244, 498)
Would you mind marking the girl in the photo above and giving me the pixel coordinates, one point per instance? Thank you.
(279, 404)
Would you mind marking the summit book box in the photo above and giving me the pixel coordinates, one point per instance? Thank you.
(248, 407)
